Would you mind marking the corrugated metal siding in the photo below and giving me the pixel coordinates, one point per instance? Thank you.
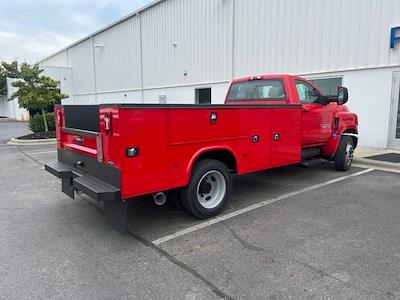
(81, 62)
(118, 60)
(59, 60)
(311, 36)
(270, 36)
(201, 31)
(63, 76)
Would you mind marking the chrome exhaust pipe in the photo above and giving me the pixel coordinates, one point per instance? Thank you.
(160, 198)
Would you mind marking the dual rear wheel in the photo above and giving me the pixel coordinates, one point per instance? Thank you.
(208, 189)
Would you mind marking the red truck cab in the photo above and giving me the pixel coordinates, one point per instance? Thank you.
(324, 119)
(116, 152)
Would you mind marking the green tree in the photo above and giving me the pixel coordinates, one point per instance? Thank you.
(10, 70)
(7, 70)
(3, 83)
(35, 91)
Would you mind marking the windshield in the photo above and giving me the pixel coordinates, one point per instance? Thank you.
(257, 90)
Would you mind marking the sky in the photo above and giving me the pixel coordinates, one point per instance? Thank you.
(31, 30)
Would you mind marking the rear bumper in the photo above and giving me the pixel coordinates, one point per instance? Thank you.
(73, 180)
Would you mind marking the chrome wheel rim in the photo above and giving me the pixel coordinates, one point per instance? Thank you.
(349, 154)
(211, 189)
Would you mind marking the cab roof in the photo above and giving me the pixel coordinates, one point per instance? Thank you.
(262, 77)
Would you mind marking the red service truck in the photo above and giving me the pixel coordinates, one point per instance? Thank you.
(116, 152)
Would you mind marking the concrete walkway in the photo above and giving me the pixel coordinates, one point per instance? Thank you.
(2, 119)
(10, 129)
(361, 159)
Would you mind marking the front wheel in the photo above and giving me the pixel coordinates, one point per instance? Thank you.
(344, 154)
(208, 189)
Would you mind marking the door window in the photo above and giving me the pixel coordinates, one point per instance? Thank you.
(307, 94)
(328, 86)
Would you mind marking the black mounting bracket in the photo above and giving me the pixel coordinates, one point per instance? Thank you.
(116, 214)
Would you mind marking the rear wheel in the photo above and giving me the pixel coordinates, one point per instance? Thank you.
(208, 189)
(174, 198)
(344, 154)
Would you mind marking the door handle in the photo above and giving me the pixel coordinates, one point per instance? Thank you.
(213, 117)
(305, 110)
(79, 140)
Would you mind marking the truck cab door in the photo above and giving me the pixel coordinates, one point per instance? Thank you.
(317, 118)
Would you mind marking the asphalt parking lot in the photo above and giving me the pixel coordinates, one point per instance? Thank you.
(287, 233)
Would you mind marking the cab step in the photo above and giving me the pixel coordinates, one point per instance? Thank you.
(313, 162)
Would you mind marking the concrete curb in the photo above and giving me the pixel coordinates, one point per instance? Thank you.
(10, 120)
(376, 163)
(361, 158)
(15, 141)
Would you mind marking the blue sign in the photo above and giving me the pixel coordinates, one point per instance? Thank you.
(394, 36)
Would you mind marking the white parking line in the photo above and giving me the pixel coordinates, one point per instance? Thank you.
(38, 153)
(378, 167)
(253, 207)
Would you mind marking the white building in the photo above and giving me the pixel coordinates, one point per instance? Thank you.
(10, 108)
(183, 51)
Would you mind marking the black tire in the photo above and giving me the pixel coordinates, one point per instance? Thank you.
(344, 154)
(174, 198)
(218, 174)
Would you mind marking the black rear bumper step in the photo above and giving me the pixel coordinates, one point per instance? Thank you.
(96, 189)
(91, 186)
(59, 170)
(115, 209)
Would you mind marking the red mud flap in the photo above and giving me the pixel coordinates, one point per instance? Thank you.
(115, 210)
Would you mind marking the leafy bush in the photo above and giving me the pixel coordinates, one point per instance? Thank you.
(36, 123)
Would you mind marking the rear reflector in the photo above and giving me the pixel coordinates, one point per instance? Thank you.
(335, 125)
(58, 116)
(99, 146)
(107, 122)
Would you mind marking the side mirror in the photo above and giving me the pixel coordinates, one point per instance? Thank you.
(342, 95)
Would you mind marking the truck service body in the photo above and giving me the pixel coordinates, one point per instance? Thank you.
(116, 152)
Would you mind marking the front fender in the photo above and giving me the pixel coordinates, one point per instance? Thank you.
(345, 124)
(330, 148)
(354, 136)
